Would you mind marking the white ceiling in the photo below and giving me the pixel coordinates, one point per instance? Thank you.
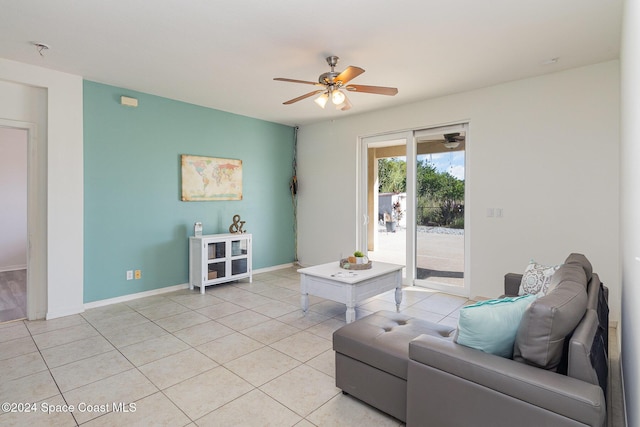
(225, 54)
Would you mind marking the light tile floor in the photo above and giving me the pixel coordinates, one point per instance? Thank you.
(240, 355)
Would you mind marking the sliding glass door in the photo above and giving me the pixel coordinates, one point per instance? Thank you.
(384, 206)
(440, 208)
(412, 204)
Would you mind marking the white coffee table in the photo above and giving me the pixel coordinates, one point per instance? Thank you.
(350, 287)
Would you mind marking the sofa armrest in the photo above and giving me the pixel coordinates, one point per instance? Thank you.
(494, 380)
(512, 284)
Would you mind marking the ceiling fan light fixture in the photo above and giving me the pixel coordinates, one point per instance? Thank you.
(451, 144)
(452, 140)
(345, 105)
(322, 100)
(337, 97)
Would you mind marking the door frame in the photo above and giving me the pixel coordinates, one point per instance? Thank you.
(364, 143)
(36, 292)
(410, 138)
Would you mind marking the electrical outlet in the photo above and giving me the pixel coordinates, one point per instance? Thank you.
(138, 274)
(129, 274)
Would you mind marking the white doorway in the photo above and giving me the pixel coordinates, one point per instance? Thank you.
(428, 232)
(33, 163)
(13, 223)
(381, 234)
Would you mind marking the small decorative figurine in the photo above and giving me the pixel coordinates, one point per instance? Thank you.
(236, 227)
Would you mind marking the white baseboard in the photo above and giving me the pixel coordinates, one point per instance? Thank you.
(624, 397)
(12, 268)
(62, 313)
(273, 268)
(130, 297)
(159, 291)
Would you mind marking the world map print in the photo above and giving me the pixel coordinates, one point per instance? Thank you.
(211, 178)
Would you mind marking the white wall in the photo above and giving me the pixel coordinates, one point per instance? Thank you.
(61, 139)
(13, 193)
(544, 149)
(630, 209)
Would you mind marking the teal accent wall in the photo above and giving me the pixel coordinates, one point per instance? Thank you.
(133, 216)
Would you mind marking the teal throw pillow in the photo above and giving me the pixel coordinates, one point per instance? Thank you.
(491, 325)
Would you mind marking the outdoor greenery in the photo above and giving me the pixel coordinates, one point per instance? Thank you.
(440, 194)
(392, 175)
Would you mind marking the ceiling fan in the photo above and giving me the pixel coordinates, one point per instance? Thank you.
(333, 82)
(452, 140)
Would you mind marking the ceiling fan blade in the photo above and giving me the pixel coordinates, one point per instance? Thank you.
(379, 90)
(453, 137)
(348, 74)
(280, 79)
(300, 98)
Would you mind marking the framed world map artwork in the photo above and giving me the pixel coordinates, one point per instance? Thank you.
(211, 178)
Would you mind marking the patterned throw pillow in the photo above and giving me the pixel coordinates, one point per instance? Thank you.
(536, 279)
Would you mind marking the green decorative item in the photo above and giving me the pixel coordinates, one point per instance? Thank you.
(360, 257)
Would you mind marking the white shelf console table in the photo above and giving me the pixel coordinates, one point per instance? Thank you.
(349, 287)
(219, 258)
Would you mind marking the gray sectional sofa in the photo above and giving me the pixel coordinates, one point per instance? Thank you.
(415, 371)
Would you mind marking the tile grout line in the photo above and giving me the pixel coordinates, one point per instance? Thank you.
(316, 333)
(64, 399)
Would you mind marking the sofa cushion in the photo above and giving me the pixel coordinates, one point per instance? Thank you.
(536, 278)
(382, 339)
(575, 272)
(549, 319)
(581, 260)
(491, 325)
